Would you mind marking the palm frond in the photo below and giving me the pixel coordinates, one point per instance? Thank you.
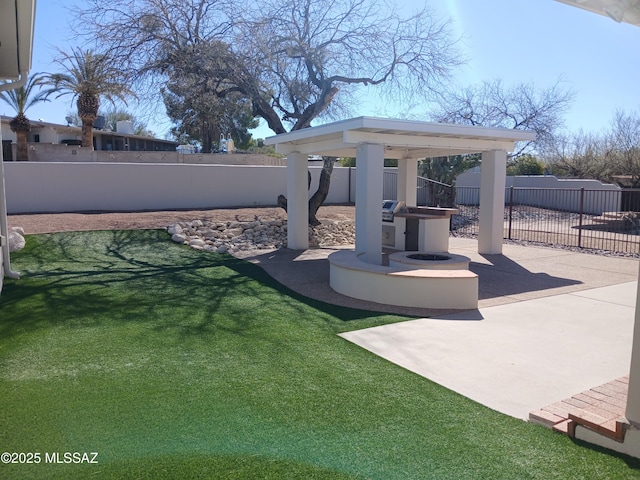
(86, 72)
(25, 97)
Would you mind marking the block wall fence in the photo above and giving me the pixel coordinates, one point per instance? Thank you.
(33, 187)
(73, 187)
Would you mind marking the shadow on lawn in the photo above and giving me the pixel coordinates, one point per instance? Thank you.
(92, 278)
(245, 271)
(633, 463)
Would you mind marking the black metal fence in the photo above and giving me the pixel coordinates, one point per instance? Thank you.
(605, 220)
(430, 192)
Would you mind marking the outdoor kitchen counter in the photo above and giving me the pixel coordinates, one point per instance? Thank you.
(431, 238)
(427, 213)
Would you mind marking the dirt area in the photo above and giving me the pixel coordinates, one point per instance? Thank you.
(70, 222)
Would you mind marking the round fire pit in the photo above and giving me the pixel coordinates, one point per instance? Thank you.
(429, 257)
(429, 261)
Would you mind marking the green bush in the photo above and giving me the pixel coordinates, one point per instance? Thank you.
(526, 165)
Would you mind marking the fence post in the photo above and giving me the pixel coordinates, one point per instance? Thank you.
(580, 221)
(510, 210)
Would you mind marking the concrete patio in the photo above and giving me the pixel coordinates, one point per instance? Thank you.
(551, 323)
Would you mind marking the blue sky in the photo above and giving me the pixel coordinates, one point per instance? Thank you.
(537, 41)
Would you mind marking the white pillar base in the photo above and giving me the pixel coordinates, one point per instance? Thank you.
(407, 179)
(491, 216)
(297, 202)
(369, 180)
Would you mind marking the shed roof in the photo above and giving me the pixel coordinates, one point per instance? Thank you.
(401, 138)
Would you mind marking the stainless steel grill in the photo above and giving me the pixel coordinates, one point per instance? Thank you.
(390, 208)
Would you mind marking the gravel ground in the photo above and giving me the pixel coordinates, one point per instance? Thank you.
(75, 222)
(84, 221)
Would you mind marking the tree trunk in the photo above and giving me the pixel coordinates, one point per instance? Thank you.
(282, 200)
(21, 126)
(87, 133)
(207, 137)
(22, 150)
(88, 105)
(320, 196)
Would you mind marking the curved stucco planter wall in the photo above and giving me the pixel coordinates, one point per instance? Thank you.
(443, 289)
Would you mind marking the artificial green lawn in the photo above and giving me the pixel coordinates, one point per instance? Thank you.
(175, 363)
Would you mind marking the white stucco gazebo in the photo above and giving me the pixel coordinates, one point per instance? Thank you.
(371, 140)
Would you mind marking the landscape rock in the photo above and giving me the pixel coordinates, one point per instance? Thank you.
(256, 235)
(234, 232)
(19, 230)
(173, 229)
(179, 237)
(16, 241)
(197, 242)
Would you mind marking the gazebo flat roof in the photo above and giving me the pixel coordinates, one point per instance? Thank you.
(401, 138)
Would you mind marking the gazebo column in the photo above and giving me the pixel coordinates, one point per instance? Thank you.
(633, 398)
(369, 180)
(297, 202)
(491, 216)
(408, 180)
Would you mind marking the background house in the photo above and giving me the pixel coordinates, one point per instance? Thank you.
(62, 136)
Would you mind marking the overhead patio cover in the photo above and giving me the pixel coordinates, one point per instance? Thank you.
(627, 11)
(400, 138)
(371, 140)
(16, 37)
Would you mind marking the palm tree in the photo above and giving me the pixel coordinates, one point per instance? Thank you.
(21, 99)
(88, 77)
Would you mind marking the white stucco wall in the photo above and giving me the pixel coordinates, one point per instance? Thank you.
(595, 201)
(66, 187)
(471, 178)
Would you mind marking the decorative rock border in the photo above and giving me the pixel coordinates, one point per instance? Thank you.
(258, 234)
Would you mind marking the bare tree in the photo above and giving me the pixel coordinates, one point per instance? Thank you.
(610, 156)
(305, 57)
(520, 107)
(577, 155)
(295, 60)
(148, 37)
(623, 148)
(306, 51)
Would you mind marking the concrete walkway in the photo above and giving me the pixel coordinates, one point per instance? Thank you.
(551, 323)
(517, 357)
